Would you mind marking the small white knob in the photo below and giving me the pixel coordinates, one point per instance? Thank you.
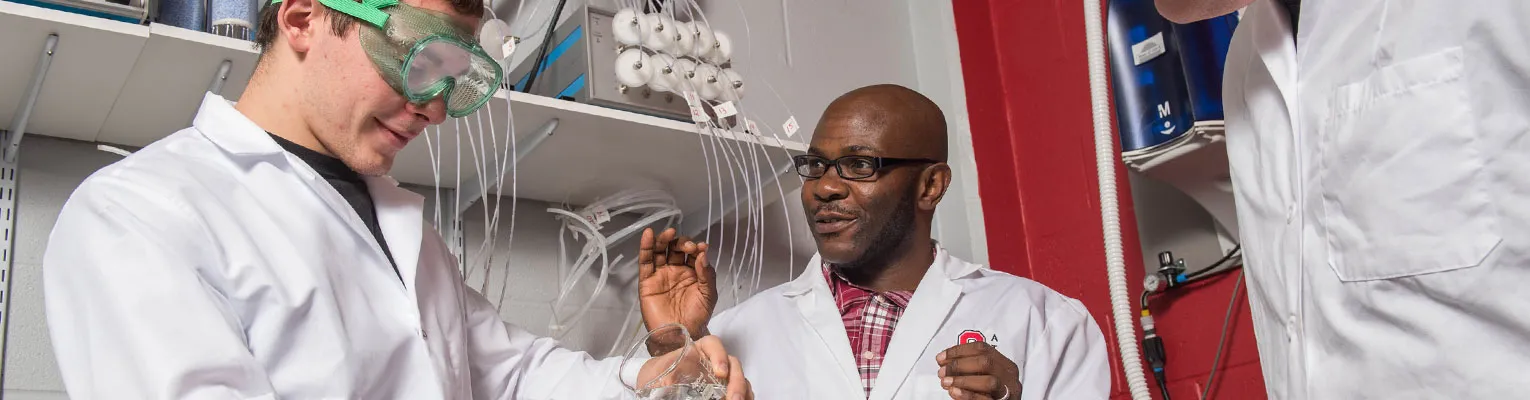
(705, 41)
(731, 85)
(633, 68)
(665, 75)
(724, 51)
(629, 27)
(686, 31)
(685, 71)
(707, 82)
(661, 33)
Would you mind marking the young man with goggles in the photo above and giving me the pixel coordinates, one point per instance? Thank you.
(262, 253)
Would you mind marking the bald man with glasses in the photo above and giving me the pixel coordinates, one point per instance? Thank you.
(882, 311)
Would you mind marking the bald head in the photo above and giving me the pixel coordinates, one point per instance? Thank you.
(903, 121)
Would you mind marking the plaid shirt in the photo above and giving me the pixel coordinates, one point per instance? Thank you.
(869, 320)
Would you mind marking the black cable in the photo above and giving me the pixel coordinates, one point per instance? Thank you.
(536, 69)
(1221, 343)
(1163, 388)
(1236, 250)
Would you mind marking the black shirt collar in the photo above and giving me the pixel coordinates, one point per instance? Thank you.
(327, 167)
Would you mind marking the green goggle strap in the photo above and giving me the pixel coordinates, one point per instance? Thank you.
(367, 10)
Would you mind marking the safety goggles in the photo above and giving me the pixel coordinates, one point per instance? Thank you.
(423, 54)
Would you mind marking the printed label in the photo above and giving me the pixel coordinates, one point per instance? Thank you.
(750, 127)
(725, 110)
(790, 126)
(508, 47)
(1149, 49)
(697, 114)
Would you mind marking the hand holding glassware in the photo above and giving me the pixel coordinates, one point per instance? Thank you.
(698, 370)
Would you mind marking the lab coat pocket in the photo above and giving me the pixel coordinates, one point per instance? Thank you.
(1401, 180)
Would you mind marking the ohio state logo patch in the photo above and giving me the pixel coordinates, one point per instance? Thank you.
(969, 336)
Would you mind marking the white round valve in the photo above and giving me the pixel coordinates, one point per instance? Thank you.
(633, 68)
(495, 39)
(686, 32)
(661, 33)
(731, 85)
(724, 50)
(706, 82)
(705, 41)
(629, 27)
(685, 71)
(665, 74)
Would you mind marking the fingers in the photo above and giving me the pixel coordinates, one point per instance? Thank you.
(646, 266)
(971, 365)
(972, 385)
(704, 272)
(713, 349)
(738, 388)
(661, 247)
(677, 250)
(962, 350)
(957, 393)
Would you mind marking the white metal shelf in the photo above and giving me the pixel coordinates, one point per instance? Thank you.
(93, 60)
(113, 81)
(597, 151)
(130, 84)
(170, 75)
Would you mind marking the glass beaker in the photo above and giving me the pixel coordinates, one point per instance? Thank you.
(684, 373)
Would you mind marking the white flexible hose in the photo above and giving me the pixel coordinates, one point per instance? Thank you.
(1105, 156)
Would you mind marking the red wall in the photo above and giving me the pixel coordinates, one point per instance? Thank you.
(1028, 102)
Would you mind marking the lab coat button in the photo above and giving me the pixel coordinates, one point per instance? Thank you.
(1291, 328)
(1290, 213)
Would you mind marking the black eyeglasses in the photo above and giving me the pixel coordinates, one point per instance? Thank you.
(850, 167)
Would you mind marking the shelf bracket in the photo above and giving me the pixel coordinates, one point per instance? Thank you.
(8, 186)
(471, 193)
(216, 87)
(24, 110)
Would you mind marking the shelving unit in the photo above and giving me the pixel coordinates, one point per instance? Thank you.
(596, 151)
(129, 84)
(175, 68)
(91, 63)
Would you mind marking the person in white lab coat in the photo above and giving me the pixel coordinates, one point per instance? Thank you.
(262, 253)
(883, 312)
(1380, 155)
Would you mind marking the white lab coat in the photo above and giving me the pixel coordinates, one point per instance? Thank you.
(1382, 176)
(793, 344)
(214, 265)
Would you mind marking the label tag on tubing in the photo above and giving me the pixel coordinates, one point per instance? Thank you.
(790, 126)
(509, 46)
(750, 127)
(697, 114)
(598, 216)
(725, 110)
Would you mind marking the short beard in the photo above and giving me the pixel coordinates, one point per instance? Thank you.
(884, 243)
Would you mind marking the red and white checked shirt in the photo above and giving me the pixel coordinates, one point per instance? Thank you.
(869, 320)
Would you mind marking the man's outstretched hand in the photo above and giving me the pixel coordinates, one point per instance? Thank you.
(676, 284)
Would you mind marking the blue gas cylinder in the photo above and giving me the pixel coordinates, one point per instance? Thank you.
(1203, 51)
(1152, 100)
